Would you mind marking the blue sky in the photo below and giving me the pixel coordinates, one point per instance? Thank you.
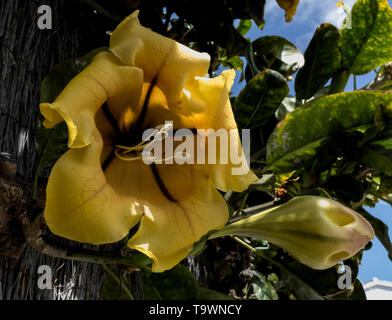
(310, 14)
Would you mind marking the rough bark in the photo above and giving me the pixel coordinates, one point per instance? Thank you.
(26, 55)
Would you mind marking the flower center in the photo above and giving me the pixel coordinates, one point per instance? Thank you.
(139, 152)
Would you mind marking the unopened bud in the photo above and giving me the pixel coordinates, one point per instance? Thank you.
(316, 231)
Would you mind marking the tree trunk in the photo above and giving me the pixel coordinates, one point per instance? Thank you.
(27, 53)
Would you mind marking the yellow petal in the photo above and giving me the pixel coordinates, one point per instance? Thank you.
(174, 64)
(179, 208)
(167, 233)
(318, 232)
(215, 112)
(290, 6)
(81, 205)
(105, 79)
(210, 103)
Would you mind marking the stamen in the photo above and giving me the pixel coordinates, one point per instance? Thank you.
(127, 158)
(166, 127)
(122, 152)
(179, 156)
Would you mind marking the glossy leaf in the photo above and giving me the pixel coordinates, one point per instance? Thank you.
(322, 60)
(376, 160)
(265, 184)
(380, 229)
(277, 53)
(260, 98)
(288, 105)
(52, 143)
(297, 138)
(244, 26)
(175, 284)
(326, 283)
(208, 294)
(61, 74)
(358, 291)
(256, 11)
(234, 63)
(115, 285)
(262, 288)
(366, 41)
(301, 289)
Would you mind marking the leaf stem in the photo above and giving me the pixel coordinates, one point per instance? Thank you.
(118, 280)
(242, 242)
(339, 81)
(277, 264)
(87, 257)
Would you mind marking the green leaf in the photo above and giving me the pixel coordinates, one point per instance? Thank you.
(138, 260)
(385, 185)
(244, 26)
(234, 62)
(52, 143)
(288, 105)
(265, 183)
(260, 98)
(64, 72)
(366, 41)
(301, 289)
(115, 285)
(174, 284)
(380, 229)
(298, 137)
(377, 152)
(358, 292)
(322, 60)
(346, 187)
(277, 53)
(376, 160)
(256, 11)
(262, 288)
(208, 294)
(324, 282)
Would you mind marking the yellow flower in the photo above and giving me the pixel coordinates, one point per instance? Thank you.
(100, 188)
(290, 6)
(316, 231)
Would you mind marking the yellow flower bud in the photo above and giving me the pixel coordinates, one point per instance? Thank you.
(316, 231)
